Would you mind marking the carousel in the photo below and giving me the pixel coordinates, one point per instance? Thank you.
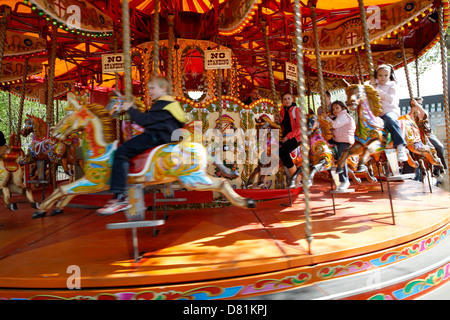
(215, 214)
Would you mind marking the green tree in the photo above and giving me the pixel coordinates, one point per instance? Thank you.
(9, 113)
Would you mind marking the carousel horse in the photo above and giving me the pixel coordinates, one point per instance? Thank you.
(320, 155)
(352, 161)
(264, 123)
(320, 151)
(370, 136)
(425, 131)
(11, 174)
(47, 148)
(183, 161)
(130, 128)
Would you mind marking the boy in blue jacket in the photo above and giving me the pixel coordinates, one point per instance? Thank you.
(160, 121)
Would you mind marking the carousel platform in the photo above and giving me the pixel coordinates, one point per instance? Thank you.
(234, 253)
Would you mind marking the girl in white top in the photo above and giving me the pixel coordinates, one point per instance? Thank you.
(343, 130)
(386, 85)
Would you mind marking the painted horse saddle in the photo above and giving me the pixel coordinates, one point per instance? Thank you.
(140, 164)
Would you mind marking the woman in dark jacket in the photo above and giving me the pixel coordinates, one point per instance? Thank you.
(290, 131)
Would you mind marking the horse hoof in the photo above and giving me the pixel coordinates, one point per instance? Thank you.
(35, 205)
(251, 203)
(233, 175)
(56, 212)
(12, 206)
(361, 168)
(38, 215)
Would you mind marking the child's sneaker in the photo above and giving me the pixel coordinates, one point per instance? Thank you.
(401, 153)
(344, 186)
(113, 206)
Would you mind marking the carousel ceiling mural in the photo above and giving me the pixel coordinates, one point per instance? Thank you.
(86, 29)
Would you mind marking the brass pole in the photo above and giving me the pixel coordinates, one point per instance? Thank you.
(170, 20)
(305, 141)
(444, 78)
(405, 65)
(367, 46)
(156, 39)
(322, 90)
(417, 76)
(116, 82)
(22, 94)
(126, 51)
(51, 77)
(269, 62)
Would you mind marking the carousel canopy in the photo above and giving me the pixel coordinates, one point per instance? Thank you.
(90, 28)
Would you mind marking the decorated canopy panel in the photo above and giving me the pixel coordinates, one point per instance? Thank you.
(84, 35)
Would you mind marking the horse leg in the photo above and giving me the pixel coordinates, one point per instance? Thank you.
(261, 180)
(222, 186)
(362, 160)
(226, 171)
(423, 169)
(343, 159)
(61, 204)
(48, 203)
(18, 186)
(295, 176)
(7, 199)
(316, 168)
(369, 174)
(252, 176)
(354, 177)
(66, 168)
(69, 189)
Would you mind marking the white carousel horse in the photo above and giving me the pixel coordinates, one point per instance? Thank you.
(183, 161)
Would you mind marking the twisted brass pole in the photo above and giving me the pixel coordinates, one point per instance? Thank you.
(322, 90)
(156, 39)
(22, 94)
(116, 81)
(405, 65)
(367, 47)
(360, 68)
(170, 20)
(305, 141)
(269, 62)
(417, 76)
(126, 51)
(51, 77)
(444, 78)
(220, 106)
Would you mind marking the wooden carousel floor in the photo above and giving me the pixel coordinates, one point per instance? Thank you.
(197, 245)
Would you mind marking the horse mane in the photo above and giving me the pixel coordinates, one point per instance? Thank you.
(374, 100)
(104, 116)
(40, 127)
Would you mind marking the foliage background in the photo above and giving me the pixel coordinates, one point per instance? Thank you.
(8, 121)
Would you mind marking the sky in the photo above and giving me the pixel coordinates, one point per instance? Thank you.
(430, 82)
